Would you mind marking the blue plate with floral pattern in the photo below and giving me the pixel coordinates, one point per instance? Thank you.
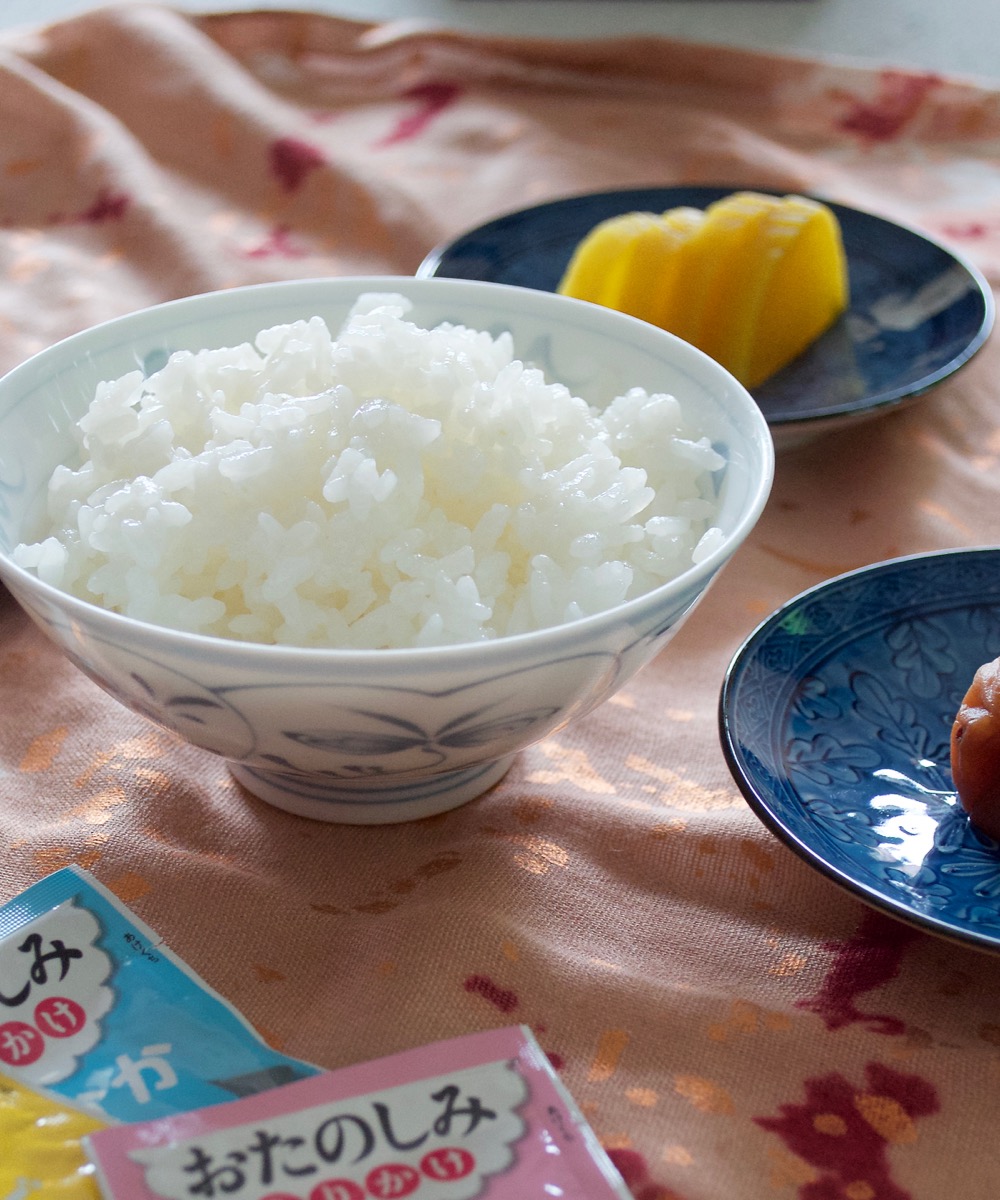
(835, 719)
(917, 311)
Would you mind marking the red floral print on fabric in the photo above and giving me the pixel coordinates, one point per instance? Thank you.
(506, 1001)
(866, 961)
(430, 100)
(899, 98)
(971, 230)
(844, 1133)
(502, 998)
(277, 244)
(633, 1168)
(291, 160)
(108, 205)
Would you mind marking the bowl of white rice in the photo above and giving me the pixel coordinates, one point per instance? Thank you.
(369, 538)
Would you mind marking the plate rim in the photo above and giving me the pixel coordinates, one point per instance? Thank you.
(797, 423)
(764, 811)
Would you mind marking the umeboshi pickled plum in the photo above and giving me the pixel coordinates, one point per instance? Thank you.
(975, 750)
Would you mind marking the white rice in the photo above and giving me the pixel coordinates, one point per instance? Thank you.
(391, 486)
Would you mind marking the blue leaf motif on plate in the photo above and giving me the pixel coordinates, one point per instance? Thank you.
(813, 701)
(824, 760)
(954, 833)
(981, 868)
(978, 914)
(984, 621)
(921, 652)
(925, 883)
(851, 828)
(893, 717)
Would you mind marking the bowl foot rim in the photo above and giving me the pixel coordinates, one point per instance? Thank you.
(372, 802)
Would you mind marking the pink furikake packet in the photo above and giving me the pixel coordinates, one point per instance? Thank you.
(477, 1116)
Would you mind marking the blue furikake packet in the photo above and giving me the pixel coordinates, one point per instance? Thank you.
(95, 1008)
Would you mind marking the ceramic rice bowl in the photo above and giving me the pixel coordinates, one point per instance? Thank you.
(387, 735)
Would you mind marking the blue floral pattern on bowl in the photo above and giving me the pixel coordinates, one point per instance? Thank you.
(835, 719)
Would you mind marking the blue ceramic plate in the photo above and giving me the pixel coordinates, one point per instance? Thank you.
(835, 719)
(917, 311)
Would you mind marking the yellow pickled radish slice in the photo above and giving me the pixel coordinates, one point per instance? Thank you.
(630, 262)
(724, 257)
(649, 290)
(600, 261)
(41, 1150)
(799, 290)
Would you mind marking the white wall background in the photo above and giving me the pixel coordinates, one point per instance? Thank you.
(960, 37)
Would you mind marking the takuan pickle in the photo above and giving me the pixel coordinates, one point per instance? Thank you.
(752, 280)
(975, 750)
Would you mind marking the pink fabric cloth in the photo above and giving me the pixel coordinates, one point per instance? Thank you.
(731, 1023)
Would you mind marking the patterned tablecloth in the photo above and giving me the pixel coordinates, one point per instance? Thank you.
(731, 1023)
